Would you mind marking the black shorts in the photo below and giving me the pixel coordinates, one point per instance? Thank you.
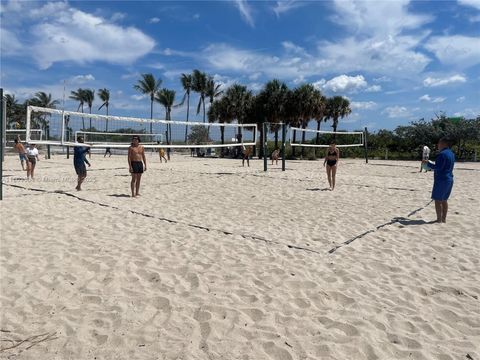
(32, 159)
(81, 170)
(331, 162)
(137, 167)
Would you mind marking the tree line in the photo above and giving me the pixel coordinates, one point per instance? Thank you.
(274, 104)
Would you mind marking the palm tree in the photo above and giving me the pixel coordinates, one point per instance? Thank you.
(79, 96)
(166, 97)
(104, 95)
(274, 96)
(149, 85)
(199, 85)
(89, 97)
(337, 108)
(42, 99)
(239, 101)
(319, 112)
(306, 98)
(13, 112)
(187, 83)
(218, 112)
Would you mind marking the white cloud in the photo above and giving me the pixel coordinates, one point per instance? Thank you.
(154, 20)
(363, 105)
(471, 3)
(396, 111)
(461, 99)
(432, 82)
(474, 19)
(373, 88)
(10, 44)
(368, 17)
(345, 83)
(245, 11)
(469, 113)
(319, 84)
(73, 35)
(138, 97)
(118, 16)
(285, 6)
(457, 50)
(382, 79)
(82, 79)
(428, 98)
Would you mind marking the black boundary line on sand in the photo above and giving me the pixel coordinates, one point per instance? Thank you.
(245, 236)
(413, 167)
(388, 223)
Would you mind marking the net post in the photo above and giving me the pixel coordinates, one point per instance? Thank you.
(3, 126)
(48, 137)
(264, 146)
(365, 145)
(27, 125)
(284, 135)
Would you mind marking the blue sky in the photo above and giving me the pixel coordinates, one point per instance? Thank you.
(397, 61)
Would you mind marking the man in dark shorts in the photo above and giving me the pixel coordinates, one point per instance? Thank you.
(79, 161)
(136, 161)
(21, 152)
(107, 151)
(442, 178)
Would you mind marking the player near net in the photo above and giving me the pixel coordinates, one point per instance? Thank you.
(332, 156)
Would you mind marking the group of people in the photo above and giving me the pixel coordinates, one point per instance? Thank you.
(28, 157)
(137, 163)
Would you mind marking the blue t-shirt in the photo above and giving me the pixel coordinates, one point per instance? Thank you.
(79, 155)
(443, 167)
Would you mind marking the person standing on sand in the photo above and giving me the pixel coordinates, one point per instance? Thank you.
(425, 156)
(161, 154)
(331, 160)
(442, 178)
(275, 156)
(107, 151)
(246, 155)
(79, 161)
(136, 161)
(32, 156)
(21, 152)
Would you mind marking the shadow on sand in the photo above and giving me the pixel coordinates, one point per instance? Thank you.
(318, 189)
(408, 222)
(120, 195)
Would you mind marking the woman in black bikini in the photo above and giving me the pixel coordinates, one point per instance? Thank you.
(331, 160)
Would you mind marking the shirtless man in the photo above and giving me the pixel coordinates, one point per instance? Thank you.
(21, 152)
(136, 162)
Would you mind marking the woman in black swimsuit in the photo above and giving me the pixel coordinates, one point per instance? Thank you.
(331, 160)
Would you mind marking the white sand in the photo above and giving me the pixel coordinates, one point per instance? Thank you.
(104, 276)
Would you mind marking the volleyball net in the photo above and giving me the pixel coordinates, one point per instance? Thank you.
(322, 139)
(62, 127)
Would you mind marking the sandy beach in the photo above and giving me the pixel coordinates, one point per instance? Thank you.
(220, 261)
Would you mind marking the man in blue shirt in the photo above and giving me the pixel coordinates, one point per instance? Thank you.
(79, 161)
(443, 178)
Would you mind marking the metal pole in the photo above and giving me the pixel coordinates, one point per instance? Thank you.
(2, 136)
(48, 146)
(366, 147)
(284, 135)
(265, 146)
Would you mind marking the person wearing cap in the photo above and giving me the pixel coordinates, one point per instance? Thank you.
(79, 161)
(137, 164)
